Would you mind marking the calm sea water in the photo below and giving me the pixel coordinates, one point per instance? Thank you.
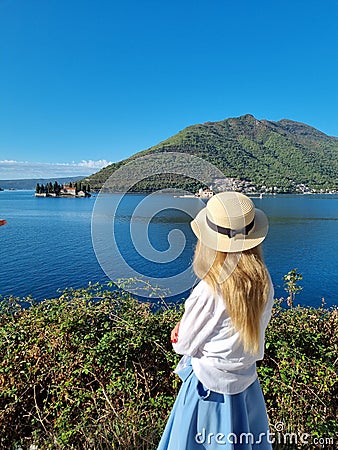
(47, 245)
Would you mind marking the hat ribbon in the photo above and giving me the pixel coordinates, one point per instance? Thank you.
(228, 231)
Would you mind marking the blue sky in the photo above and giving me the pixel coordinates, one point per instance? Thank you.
(86, 82)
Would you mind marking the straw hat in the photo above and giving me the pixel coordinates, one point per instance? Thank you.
(230, 223)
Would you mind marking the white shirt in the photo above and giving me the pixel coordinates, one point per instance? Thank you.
(207, 336)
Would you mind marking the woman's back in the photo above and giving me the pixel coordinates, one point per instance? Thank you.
(207, 335)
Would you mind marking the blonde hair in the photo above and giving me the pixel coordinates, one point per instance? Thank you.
(242, 280)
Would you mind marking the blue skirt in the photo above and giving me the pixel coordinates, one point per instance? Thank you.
(203, 419)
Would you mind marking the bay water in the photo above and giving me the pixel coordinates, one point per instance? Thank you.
(47, 245)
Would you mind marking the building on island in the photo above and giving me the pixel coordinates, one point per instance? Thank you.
(68, 190)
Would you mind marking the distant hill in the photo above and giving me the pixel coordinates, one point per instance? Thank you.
(283, 156)
(31, 183)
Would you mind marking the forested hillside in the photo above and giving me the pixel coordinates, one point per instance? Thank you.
(261, 155)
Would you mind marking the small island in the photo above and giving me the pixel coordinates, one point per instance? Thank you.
(71, 190)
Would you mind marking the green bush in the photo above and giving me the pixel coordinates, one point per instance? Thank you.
(92, 369)
(85, 374)
(299, 372)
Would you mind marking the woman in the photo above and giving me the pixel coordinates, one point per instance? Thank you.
(221, 334)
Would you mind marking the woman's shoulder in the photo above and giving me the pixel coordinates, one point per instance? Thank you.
(202, 296)
(202, 289)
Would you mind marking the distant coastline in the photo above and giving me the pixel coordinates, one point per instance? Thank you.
(52, 195)
(249, 194)
(29, 184)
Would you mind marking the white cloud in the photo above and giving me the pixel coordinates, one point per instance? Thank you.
(94, 164)
(13, 170)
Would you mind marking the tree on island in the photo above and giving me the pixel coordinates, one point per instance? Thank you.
(49, 188)
(57, 188)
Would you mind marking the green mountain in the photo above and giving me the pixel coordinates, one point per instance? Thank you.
(283, 156)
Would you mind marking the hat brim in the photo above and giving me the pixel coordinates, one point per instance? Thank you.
(223, 243)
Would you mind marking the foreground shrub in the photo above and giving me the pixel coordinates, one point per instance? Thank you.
(85, 374)
(299, 374)
(93, 370)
